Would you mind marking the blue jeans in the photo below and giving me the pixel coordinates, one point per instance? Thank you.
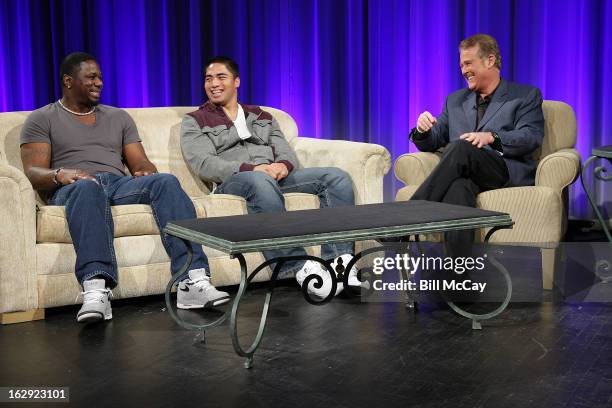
(88, 210)
(264, 194)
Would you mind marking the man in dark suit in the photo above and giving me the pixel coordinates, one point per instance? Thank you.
(489, 130)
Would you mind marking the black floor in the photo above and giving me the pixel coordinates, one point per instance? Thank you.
(345, 353)
(540, 353)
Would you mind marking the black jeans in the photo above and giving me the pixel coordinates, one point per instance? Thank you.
(463, 172)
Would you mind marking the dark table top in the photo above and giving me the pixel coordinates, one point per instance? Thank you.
(256, 232)
(602, 151)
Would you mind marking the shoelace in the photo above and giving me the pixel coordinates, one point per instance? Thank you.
(202, 282)
(95, 294)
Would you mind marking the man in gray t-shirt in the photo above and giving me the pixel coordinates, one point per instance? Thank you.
(75, 152)
(93, 148)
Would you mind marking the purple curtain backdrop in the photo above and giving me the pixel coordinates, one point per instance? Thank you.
(358, 70)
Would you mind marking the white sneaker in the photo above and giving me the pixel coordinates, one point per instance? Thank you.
(96, 302)
(353, 280)
(197, 292)
(315, 268)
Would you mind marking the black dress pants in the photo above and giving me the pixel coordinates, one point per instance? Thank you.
(463, 172)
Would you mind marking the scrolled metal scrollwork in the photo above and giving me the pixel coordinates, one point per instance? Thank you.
(405, 247)
(363, 278)
(476, 318)
(599, 173)
(244, 282)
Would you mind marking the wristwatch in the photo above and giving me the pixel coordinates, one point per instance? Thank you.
(55, 173)
(497, 144)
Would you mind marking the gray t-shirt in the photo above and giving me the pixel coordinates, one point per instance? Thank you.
(94, 148)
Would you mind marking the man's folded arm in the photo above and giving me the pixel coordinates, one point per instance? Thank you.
(528, 133)
(283, 153)
(201, 155)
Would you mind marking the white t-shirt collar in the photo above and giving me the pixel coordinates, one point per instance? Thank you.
(240, 123)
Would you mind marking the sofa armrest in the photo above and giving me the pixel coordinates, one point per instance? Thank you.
(18, 280)
(558, 170)
(413, 168)
(365, 162)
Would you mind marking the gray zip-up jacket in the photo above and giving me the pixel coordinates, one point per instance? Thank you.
(214, 151)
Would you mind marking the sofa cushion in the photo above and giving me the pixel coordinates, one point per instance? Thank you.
(301, 201)
(129, 220)
(137, 219)
(221, 205)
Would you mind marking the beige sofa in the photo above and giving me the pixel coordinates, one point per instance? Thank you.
(36, 255)
(539, 212)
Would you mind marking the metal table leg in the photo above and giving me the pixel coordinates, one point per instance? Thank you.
(477, 318)
(244, 282)
(412, 304)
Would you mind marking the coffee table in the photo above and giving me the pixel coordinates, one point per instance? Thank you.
(241, 234)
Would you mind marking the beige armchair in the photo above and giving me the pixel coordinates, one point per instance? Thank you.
(539, 212)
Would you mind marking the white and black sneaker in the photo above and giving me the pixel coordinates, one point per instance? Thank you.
(353, 280)
(315, 268)
(96, 302)
(197, 292)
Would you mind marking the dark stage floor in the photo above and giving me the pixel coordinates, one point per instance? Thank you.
(345, 353)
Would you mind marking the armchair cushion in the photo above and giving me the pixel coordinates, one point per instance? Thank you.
(559, 128)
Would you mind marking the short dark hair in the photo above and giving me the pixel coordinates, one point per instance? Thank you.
(487, 45)
(230, 64)
(72, 64)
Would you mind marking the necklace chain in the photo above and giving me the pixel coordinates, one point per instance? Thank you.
(76, 113)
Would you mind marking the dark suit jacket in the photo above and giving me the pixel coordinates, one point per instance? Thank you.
(514, 113)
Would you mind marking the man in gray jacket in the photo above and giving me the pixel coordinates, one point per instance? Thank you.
(241, 149)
